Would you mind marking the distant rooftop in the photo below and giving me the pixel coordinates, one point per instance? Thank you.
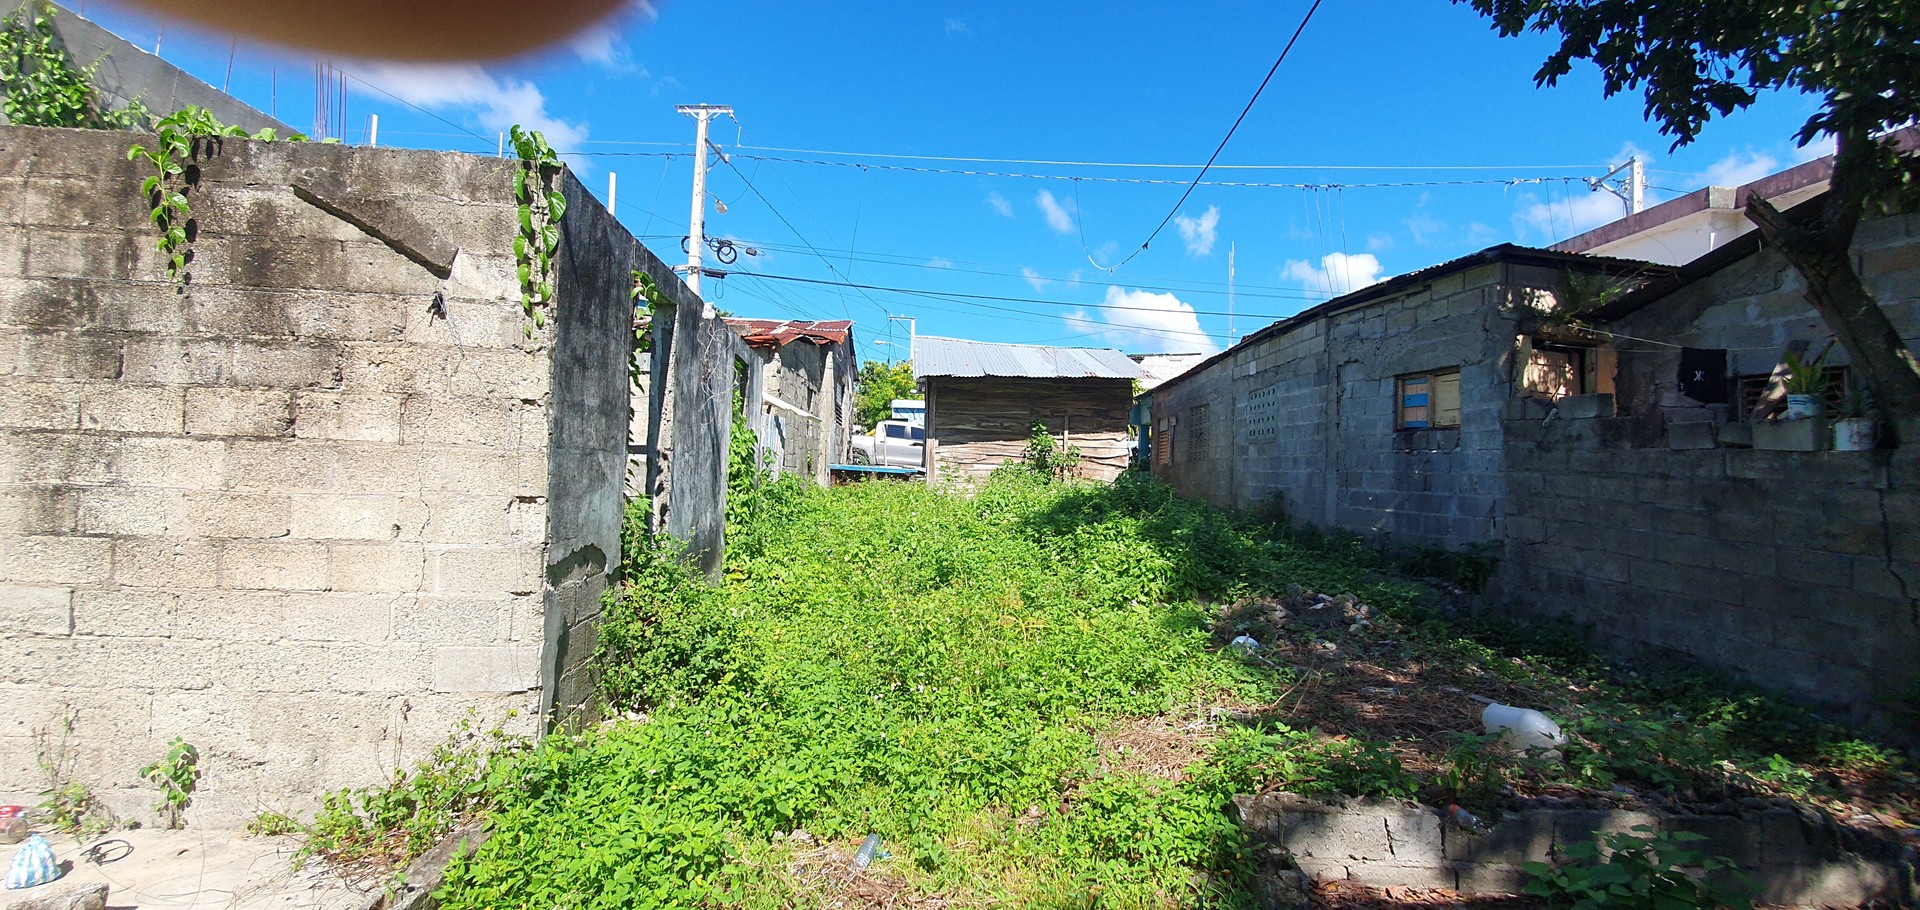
(935, 356)
(779, 332)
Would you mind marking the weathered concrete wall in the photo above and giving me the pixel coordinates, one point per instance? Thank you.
(699, 365)
(316, 504)
(807, 393)
(128, 74)
(977, 424)
(1797, 571)
(1309, 415)
(1795, 857)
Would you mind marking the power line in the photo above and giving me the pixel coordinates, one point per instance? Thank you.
(953, 295)
(1223, 142)
(410, 104)
(796, 231)
(1039, 162)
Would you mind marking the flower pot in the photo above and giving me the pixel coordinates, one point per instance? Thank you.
(1800, 406)
(1853, 434)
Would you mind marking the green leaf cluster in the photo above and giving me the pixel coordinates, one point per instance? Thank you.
(41, 83)
(1641, 869)
(875, 387)
(540, 208)
(176, 774)
(180, 139)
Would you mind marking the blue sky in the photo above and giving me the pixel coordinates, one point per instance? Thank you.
(843, 117)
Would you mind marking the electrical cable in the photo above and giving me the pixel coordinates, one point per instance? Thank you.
(796, 231)
(959, 296)
(1130, 164)
(1219, 148)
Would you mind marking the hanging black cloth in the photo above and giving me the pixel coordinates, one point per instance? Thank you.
(1703, 374)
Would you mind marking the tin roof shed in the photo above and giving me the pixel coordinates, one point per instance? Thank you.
(936, 356)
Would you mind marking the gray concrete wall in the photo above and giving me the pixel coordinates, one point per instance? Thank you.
(1790, 856)
(314, 505)
(1308, 415)
(694, 366)
(128, 73)
(806, 397)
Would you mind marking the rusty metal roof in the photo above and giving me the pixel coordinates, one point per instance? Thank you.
(779, 332)
(935, 356)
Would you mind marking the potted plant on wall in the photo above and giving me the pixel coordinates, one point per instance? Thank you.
(1807, 386)
(1854, 430)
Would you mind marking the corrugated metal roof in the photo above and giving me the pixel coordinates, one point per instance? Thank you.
(778, 332)
(935, 356)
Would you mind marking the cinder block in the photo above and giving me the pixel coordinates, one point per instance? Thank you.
(187, 464)
(41, 405)
(368, 517)
(427, 420)
(237, 515)
(278, 565)
(36, 610)
(239, 412)
(161, 562)
(231, 616)
(1732, 838)
(393, 567)
(133, 410)
(500, 668)
(1489, 878)
(460, 619)
(1518, 837)
(1584, 826)
(124, 613)
(1808, 434)
(510, 570)
(56, 560)
(130, 511)
(1691, 435)
(40, 511)
(364, 618)
(60, 355)
(1736, 435)
(338, 415)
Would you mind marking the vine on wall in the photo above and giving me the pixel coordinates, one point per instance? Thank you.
(44, 88)
(180, 140)
(541, 208)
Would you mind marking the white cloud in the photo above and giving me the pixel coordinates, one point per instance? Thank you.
(1423, 227)
(999, 204)
(940, 262)
(1059, 215)
(958, 26)
(1034, 279)
(1577, 212)
(1818, 148)
(1737, 169)
(495, 103)
(1199, 232)
(1338, 273)
(1154, 323)
(1379, 241)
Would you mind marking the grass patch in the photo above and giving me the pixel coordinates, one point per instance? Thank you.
(1024, 693)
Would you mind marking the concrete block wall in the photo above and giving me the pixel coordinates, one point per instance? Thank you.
(1310, 414)
(1791, 856)
(313, 506)
(1797, 571)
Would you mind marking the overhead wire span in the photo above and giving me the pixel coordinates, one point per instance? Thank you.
(957, 296)
(796, 231)
(1219, 148)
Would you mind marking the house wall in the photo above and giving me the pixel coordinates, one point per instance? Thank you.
(1307, 417)
(1794, 570)
(804, 428)
(978, 424)
(312, 507)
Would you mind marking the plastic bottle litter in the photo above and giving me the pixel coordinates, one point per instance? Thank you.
(13, 824)
(1522, 729)
(1244, 644)
(868, 850)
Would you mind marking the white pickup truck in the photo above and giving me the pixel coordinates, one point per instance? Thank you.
(894, 444)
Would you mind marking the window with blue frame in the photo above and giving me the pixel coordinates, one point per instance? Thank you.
(1429, 400)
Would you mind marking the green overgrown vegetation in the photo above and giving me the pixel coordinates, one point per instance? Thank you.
(180, 140)
(43, 87)
(1026, 693)
(177, 774)
(876, 386)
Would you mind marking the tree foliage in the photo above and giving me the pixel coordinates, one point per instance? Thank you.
(1697, 61)
(876, 386)
(43, 87)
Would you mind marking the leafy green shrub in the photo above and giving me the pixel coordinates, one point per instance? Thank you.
(40, 83)
(1644, 871)
(176, 774)
(401, 820)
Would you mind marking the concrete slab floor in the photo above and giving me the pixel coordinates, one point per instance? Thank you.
(195, 868)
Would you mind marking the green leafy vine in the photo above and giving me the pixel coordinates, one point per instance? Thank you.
(180, 139)
(42, 85)
(541, 208)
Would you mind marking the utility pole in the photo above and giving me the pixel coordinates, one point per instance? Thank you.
(1230, 339)
(697, 225)
(613, 193)
(1634, 194)
(912, 330)
(373, 130)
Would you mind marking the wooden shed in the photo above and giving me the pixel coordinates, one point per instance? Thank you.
(983, 399)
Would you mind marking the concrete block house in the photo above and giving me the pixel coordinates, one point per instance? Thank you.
(1591, 422)
(983, 399)
(806, 370)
